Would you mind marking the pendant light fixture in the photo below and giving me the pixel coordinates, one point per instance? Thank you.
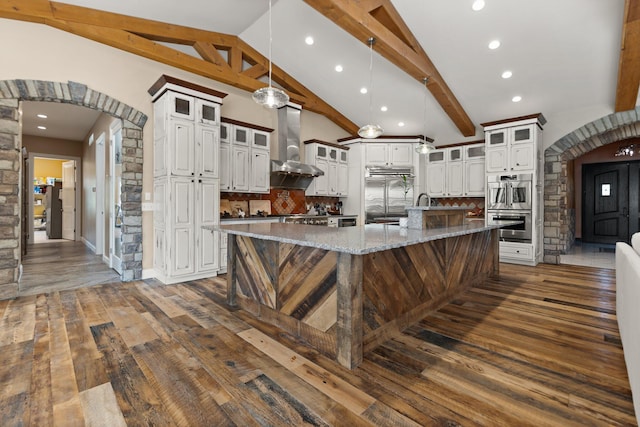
(270, 96)
(427, 144)
(370, 131)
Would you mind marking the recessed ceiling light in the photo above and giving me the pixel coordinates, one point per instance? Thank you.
(401, 124)
(494, 44)
(507, 74)
(42, 116)
(42, 127)
(383, 108)
(516, 98)
(363, 90)
(309, 40)
(339, 68)
(478, 5)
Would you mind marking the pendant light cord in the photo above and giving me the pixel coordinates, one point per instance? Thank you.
(371, 41)
(424, 123)
(270, 42)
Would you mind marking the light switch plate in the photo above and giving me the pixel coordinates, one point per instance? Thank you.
(147, 206)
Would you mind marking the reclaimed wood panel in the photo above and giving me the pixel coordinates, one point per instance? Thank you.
(256, 269)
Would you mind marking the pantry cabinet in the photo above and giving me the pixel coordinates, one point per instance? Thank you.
(186, 182)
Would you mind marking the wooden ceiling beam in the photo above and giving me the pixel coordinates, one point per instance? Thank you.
(396, 42)
(140, 36)
(629, 62)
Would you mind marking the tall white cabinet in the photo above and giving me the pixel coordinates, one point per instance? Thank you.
(186, 180)
(456, 171)
(514, 146)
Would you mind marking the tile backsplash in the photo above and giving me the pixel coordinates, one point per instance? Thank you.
(283, 202)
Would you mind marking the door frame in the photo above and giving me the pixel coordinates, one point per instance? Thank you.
(78, 215)
(114, 261)
(100, 193)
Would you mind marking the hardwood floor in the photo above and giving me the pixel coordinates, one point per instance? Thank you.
(61, 265)
(537, 346)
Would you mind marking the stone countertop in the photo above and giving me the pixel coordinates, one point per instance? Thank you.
(438, 208)
(353, 240)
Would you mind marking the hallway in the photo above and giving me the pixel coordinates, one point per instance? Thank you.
(62, 264)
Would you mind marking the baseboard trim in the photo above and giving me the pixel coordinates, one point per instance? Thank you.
(88, 244)
(148, 273)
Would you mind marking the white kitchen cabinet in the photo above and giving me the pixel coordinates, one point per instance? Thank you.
(333, 162)
(249, 165)
(474, 170)
(240, 168)
(511, 149)
(186, 184)
(446, 172)
(514, 146)
(389, 154)
(259, 173)
(225, 167)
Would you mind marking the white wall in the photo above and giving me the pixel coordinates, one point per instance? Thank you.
(43, 53)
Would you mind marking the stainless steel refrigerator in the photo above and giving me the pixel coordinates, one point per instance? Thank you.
(387, 192)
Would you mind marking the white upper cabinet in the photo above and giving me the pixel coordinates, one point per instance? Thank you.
(451, 170)
(511, 149)
(388, 154)
(249, 165)
(207, 112)
(333, 161)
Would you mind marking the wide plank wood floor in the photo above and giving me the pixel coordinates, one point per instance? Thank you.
(535, 347)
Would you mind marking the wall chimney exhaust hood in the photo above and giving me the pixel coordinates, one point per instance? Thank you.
(290, 173)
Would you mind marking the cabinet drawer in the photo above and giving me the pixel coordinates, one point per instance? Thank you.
(516, 250)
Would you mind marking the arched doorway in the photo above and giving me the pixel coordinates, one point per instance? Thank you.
(12, 92)
(559, 191)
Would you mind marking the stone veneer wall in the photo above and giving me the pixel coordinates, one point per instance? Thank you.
(559, 218)
(12, 92)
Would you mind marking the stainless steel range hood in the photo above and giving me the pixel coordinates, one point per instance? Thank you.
(289, 173)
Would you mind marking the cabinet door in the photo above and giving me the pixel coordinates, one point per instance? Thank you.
(225, 167)
(497, 138)
(474, 179)
(401, 154)
(207, 112)
(160, 155)
(496, 159)
(181, 106)
(455, 181)
(436, 178)
(182, 227)
(260, 165)
(332, 184)
(321, 151)
(474, 152)
(159, 255)
(181, 148)
(260, 139)
(321, 183)
(522, 157)
(522, 134)
(240, 168)
(226, 133)
(343, 179)
(207, 149)
(207, 201)
(241, 135)
(376, 154)
(344, 156)
(454, 154)
(437, 156)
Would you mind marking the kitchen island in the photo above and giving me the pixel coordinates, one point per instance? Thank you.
(347, 290)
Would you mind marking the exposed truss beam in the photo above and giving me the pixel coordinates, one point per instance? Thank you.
(629, 65)
(380, 19)
(142, 37)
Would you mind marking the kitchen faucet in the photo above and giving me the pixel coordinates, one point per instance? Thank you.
(428, 199)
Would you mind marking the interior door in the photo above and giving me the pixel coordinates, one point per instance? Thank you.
(68, 196)
(605, 207)
(115, 216)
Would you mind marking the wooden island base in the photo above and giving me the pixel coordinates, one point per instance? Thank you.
(344, 305)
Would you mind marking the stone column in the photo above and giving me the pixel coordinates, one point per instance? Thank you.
(131, 199)
(9, 197)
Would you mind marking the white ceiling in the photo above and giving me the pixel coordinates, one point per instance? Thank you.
(563, 54)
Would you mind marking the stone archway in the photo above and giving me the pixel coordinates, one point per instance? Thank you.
(559, 213)
(12, 92)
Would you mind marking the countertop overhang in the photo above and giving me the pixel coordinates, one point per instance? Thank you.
(354, 240)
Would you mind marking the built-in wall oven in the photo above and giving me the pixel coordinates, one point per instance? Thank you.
(509, 192)
(520, 232)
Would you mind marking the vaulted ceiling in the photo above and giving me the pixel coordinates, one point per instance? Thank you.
(564, 55)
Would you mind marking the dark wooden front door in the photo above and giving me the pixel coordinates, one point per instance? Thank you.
(610, 201)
